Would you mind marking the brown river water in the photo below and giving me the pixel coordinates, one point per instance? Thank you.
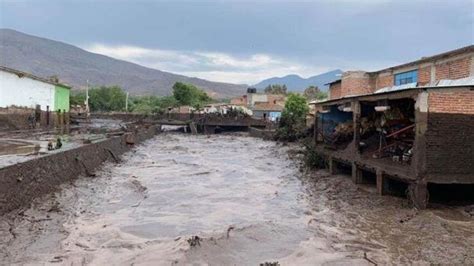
(247, 201)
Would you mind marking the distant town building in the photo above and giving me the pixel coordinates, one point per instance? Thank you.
(22, 89)
(267, 111)
(263, 106)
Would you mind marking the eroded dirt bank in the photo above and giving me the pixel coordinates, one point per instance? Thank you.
(243, 198)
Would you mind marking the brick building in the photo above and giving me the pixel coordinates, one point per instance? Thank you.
(427, 71)
(407, 129)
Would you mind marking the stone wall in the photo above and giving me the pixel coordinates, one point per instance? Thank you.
(23, 182)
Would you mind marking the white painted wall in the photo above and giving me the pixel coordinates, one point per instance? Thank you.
(256, 97)
(25, 92)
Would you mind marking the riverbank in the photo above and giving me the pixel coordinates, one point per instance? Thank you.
(223, 200)
(26, 180)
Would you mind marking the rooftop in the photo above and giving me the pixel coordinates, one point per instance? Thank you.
(31, 76)
(466, 49)
(266, 106)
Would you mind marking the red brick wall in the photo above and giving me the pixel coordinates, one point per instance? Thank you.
(356, 83)
(424, 75)
(335, 91)
(384, 81)
(455, 69)
(453, 101)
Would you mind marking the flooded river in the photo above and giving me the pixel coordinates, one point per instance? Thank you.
(227, 200)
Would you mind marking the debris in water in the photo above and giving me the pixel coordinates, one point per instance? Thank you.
(369, 260)
(56, 259)
(276, 263)
(139, 186)
(82, 245)
(228, 230)
(194, 241)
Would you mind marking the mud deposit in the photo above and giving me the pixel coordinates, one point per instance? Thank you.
(227, 200)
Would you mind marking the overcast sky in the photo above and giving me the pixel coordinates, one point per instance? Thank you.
(247, 41)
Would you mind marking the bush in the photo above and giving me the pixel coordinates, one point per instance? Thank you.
(313, 159)
(292, 124)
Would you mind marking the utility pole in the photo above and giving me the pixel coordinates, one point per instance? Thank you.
(86, 101)
(126, 103)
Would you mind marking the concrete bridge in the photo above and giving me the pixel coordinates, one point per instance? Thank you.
(207, 123)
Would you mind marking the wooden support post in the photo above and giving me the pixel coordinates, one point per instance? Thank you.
(315, 131)
(381, 182)
(356, 174)
(356, 113)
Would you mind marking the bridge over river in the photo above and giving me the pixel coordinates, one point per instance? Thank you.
(207, 123)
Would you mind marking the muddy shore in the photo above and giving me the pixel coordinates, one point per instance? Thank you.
(225, 200)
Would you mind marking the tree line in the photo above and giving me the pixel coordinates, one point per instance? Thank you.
(310, 93)
(113, 98)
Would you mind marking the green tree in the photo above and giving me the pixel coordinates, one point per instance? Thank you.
(77, 98)
(293, 118)
(188, 94)
(152, 104)
(107, 99)
(276, 89)
(314, 93)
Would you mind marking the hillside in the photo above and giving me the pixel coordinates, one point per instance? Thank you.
(298, 84)
(74, 66)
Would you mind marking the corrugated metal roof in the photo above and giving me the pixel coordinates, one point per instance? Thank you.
(397, 88)
(469, 81)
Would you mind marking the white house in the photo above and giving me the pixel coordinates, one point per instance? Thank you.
(21, 89)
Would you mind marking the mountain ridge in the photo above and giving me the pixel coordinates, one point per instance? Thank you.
(75, 66)
(296, 83)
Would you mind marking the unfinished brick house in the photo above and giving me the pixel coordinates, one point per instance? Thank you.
(408, 129)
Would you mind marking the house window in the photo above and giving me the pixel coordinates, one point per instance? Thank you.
(406, 77)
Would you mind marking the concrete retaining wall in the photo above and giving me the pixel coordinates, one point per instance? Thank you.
(261, 133)
(21, 183)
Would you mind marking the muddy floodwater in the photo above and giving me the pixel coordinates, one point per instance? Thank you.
(228, 200)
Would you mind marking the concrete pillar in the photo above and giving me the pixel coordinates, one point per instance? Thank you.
(356, 174)
(332, 166)
(419, 194)
(381, 182)
(419, 189)
(193, 128)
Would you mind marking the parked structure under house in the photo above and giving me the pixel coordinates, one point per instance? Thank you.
(408, 127)
(23, 94)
